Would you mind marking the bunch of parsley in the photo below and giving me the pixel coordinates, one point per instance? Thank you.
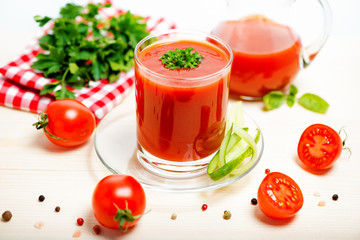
(81, 47)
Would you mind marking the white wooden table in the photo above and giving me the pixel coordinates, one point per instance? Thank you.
(31, 166)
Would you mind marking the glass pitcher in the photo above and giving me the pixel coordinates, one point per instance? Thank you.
(272, 40)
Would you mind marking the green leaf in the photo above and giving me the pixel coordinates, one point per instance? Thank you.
(42, 20)
(64, 93)
(49, 88)
(290, 100)
(77, 51)
(181, 58)
(274, 100)
(73, 68)
(313, 103)
(113, 77)
(71, 11)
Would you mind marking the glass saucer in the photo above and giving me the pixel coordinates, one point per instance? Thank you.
(116, 146)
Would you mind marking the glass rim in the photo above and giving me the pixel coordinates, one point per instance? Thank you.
(188, 32)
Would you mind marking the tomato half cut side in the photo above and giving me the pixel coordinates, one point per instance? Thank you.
(279, 196)
(319, 146)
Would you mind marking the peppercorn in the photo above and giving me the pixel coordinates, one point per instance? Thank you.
(204, 207)
(173, 216)
(6, 216)
(80, 221)
(57, 209)
(253, 201)
(227, 215)
(41, 198)
(97, 229)
(335, 197)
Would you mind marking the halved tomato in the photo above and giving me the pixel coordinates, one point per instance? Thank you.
(279, 196)
(319, 146)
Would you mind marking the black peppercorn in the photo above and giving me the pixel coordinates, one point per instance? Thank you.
(41, 198)
(57, 209)
(254, 201)
(335, 197)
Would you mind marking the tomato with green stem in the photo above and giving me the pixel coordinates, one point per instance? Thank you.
(118, 202)
(67, 122)
(319, 146)
(279, 196)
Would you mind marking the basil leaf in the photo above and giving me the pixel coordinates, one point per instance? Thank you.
(313, 103)
(290, 101)
(274, 100)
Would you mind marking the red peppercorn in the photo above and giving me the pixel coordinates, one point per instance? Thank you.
(80, 221)
(267, 171)
(204, 207)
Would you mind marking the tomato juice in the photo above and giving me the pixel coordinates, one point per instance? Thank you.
(266, 55)
(181, 113)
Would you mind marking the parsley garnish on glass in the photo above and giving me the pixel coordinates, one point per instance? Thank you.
(181, 58)
(83, 47)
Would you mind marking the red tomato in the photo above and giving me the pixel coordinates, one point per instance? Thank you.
(118, 202)
(69, 120)
(279, 196)
(319, 146)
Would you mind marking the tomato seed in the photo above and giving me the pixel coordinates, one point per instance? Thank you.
(267, 171)
(41, 198)
(80, 221)
(322, 204)
(204, 207)
(227, 215)
(335, 197)
(253, 201)
(97, 229)
(6, 216)
(57, 209)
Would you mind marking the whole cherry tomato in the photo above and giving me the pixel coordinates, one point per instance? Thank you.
(319, 146)
(279, 196)
(67, 122)
(118, 202)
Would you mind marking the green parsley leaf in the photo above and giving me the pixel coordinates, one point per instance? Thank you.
(89, 48)
(73, 68)
(71, 11)
(181, 58)
(41, 20)
(49, 88)
(274, 100)
(313, 103)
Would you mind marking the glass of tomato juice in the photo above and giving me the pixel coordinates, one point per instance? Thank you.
(180, 113)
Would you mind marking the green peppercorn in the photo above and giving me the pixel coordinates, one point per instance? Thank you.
(227, 215)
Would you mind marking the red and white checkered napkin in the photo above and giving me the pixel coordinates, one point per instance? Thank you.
(20, 84)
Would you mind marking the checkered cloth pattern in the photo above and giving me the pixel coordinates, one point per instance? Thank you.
(20, 84)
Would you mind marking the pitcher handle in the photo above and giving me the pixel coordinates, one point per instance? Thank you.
(309, 52)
